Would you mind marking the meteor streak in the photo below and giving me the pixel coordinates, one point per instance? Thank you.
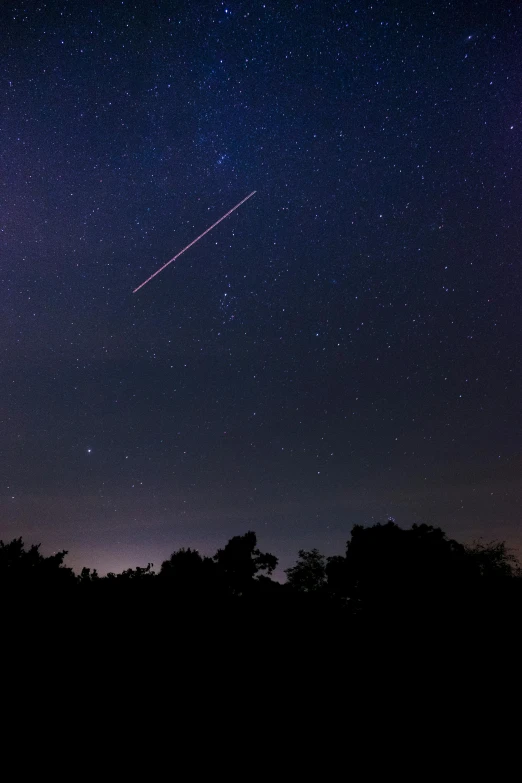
(193, 242)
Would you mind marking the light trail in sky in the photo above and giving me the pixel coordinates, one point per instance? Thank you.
(193, 242)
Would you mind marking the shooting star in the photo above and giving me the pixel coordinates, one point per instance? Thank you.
(193, 242)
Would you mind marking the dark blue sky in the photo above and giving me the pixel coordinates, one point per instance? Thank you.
(342, 348)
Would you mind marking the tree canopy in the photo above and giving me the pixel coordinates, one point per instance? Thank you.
(385, 572)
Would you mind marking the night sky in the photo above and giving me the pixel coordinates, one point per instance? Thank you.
(343, 348)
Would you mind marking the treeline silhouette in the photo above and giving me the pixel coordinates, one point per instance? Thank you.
(387, 577)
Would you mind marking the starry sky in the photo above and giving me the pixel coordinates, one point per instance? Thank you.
(343, 348)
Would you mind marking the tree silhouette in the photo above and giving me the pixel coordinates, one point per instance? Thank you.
(493, 560)
(418, 572)
(337, 581)
(308, 575)
(188, 573)
(396, 570)
(87, 576)
(23, 568)
(137, 574)
(240, 562)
